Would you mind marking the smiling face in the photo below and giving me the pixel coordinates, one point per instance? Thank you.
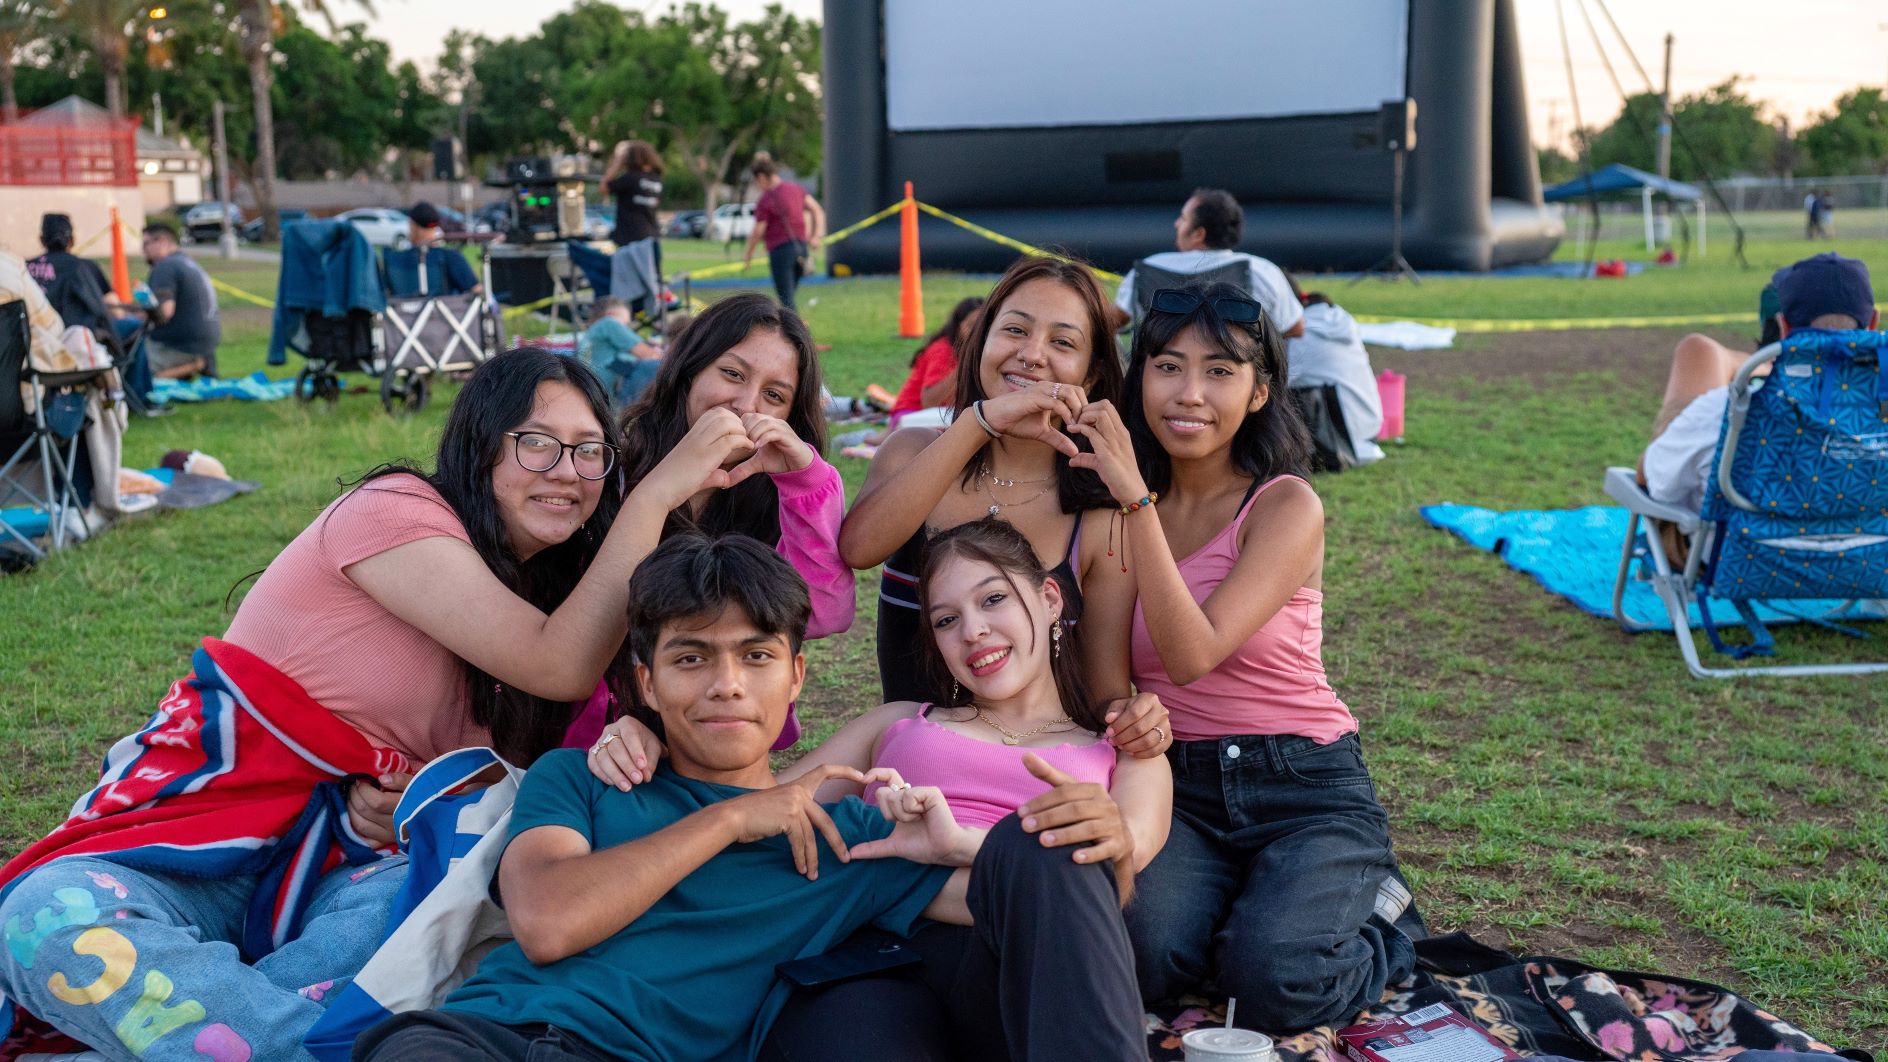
(760, 374)
(1041, 332)
(1195, 395)
(543, 509)
(992, 631)
(722, 688)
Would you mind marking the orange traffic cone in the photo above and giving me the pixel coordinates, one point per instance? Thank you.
(120, 269)
(910, 292)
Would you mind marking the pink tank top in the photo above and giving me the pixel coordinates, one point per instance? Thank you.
(982, 780)
(1273, 684)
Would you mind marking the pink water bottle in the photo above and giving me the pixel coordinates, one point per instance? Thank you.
(1390, 393)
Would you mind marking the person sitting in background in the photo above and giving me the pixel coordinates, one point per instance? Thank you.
(618, 353)
(425, 268)
(932, 381)
(75, 286)
(1826, 291)
(1330, 351)
(1210, 225)
(185, 328)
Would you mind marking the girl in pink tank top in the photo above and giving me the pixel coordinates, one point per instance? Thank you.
(995, 640)
(1278, 883)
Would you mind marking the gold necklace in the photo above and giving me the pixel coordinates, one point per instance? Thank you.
(1011, 737)
(988, 483)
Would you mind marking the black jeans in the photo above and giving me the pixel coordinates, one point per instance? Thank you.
(784, 263)
(445, 1036)
(1268, 883)
(1045, 974)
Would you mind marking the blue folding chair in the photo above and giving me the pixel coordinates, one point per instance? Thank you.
(1795, 510)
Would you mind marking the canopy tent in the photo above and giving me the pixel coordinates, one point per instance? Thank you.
(1615, 179)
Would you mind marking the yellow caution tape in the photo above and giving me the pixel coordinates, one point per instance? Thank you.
(730, 268)
(997, 237)
(1563, 324)
(241, 294)
(529, 307)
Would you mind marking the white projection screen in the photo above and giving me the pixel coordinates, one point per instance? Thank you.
(992, 64)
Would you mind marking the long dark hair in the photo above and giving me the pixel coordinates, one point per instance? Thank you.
(1271, 442)
(1077, 489)
(996, 543)
(659, 418)
(952, 327)
(499, 397)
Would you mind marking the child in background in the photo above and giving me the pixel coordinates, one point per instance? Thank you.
(622, 357)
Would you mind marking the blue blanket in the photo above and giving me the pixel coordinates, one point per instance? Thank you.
(1575, 553)
(255, 387)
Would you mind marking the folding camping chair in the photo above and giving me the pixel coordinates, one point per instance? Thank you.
(432, 334)
(42, 509)
(1795, 509)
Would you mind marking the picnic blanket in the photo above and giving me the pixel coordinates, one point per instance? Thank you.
(181, 491)
(1540, 1005)
(1575, 553)
(255, 387)
(238, 771)
(1407, 335)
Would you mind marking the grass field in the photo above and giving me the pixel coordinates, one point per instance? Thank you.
(1555, 785)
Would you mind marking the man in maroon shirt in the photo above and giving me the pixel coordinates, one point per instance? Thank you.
(791, 222)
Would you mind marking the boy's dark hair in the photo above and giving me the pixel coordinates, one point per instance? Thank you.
(1218, 213)
(161, 228)
(694, 576)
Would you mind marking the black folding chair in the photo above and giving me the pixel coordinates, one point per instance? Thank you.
(37, 434)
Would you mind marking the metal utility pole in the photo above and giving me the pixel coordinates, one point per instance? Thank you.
(228, 240)
(1664, 229)
(157, 112)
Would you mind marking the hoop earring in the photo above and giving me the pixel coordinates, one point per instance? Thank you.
(1055, 640)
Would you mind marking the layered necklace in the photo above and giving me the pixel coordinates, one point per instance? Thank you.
(1013, 737)
(988, 482)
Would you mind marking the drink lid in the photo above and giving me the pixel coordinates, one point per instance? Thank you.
(1220, 1042)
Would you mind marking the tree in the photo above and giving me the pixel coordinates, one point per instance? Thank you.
(335, 101)
(1852, 138)
(1719, 132)
(22, 22)
(105, 25)
(1556, 166)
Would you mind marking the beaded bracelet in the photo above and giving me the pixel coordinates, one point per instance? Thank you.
(977, 408)
(1145, 503)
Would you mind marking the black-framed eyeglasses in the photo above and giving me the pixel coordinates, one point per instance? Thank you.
(538, 452)
(1234, 308)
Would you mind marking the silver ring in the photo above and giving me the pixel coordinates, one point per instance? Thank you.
(1055, 392)
(1159, 735)
(899, 787)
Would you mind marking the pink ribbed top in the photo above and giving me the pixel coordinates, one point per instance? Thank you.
(1273, 684)
(983, 781)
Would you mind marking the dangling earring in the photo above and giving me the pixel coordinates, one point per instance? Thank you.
(957, 692)
(1055, 640)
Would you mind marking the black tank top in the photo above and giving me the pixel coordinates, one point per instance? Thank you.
(900, 664)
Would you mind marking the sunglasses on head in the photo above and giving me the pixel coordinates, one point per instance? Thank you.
(1234, 308)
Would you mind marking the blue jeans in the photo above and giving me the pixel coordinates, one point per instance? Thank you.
(628, 378)
(143, 965)
(1268, 883)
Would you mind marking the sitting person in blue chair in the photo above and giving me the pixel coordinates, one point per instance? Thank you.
(425, 268)
(620, 355)
(1826, 291)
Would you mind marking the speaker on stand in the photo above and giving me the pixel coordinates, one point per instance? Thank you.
(1396, 131)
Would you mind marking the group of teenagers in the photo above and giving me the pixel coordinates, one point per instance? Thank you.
(1108, 772)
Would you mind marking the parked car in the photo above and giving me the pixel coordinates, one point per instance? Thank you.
(383, 226)
(686, 224)
(732, 221)
(204, 221)
(492, 217)
(252, 229)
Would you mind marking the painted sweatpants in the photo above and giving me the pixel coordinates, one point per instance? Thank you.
(144, 965)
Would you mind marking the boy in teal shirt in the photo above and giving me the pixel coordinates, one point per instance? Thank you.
(619, 354)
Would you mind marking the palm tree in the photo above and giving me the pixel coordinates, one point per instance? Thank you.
(20, 24)
(106, 26)
(259, 21)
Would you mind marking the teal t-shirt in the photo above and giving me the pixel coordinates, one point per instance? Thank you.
(693, 978)
(608, 342)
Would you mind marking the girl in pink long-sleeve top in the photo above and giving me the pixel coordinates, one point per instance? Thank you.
(746, 366)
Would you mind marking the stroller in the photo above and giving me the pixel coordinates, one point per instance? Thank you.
(332, 309)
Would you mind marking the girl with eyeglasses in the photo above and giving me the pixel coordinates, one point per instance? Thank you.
(420, 613)
(1039, 349)
(744, 371)
(1277, 883)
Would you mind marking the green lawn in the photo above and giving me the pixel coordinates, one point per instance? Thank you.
(1556, 786)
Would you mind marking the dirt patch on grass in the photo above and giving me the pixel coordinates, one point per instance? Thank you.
(1640, 357)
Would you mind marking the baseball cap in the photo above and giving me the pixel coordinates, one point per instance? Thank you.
(424, 214)
(55, 227)
(1824, 284)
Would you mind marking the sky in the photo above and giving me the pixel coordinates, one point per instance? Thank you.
(1798, 55)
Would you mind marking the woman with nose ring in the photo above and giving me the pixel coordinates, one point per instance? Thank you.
(1038, 351)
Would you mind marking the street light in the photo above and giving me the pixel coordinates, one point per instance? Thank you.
(158, 13)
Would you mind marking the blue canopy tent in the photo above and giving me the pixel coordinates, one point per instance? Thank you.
(1615, 179)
